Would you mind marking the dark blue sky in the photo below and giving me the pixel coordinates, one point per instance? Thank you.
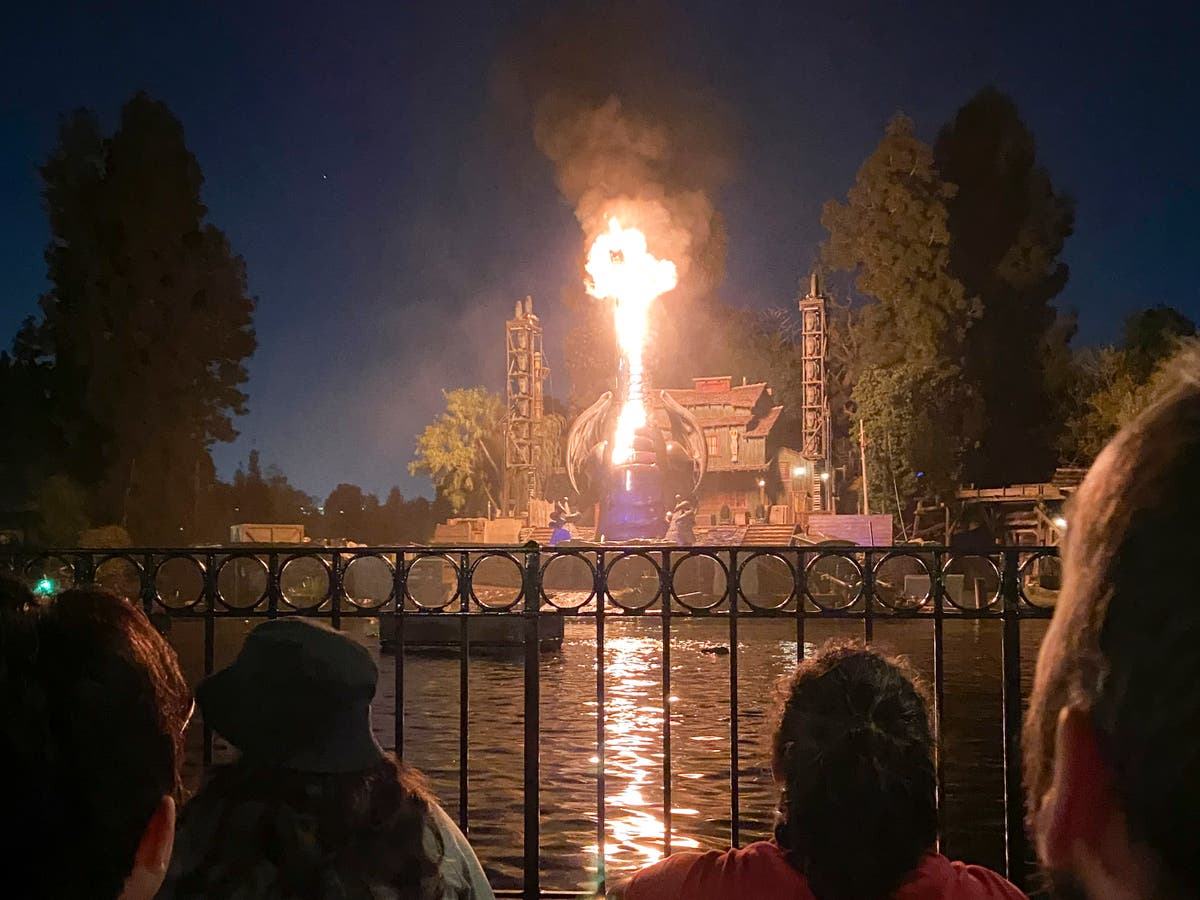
(389, 215)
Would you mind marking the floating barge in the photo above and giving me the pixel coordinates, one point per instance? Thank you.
(432, 631)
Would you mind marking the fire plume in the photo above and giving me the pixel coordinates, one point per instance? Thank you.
(621, 269)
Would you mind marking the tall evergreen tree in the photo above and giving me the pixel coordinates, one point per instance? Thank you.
(148, 324)
(1007, 228)
(892, 234)
(1152, 335)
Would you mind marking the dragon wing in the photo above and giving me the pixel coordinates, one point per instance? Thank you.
(686, 430)
(588, 430)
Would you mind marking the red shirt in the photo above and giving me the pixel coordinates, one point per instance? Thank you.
(760, 870)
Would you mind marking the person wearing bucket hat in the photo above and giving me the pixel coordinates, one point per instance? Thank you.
(297, 696)
(313, 806)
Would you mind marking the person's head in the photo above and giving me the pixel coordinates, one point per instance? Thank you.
(92, 713)
(853, 754)
(312, 798)
(1112, 738)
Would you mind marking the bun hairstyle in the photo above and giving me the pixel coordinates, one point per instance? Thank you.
(853, 752)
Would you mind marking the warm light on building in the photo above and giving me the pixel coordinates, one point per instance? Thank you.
(798, 471)
(1060, 523)
(824, 476)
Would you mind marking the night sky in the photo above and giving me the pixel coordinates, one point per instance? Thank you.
(389, 213)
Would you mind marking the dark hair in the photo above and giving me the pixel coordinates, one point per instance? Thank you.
(257, 830)
(854, 752)
(1124, 644)
(92, 710)
(15, 597)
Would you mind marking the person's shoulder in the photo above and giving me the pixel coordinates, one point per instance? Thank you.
(938, 878)
(758, 869)
(980, 881)
(460, 868)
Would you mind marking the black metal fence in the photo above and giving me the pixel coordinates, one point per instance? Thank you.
(465, 597)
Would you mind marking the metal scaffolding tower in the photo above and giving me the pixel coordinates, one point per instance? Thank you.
(523, 423)
(815, 440)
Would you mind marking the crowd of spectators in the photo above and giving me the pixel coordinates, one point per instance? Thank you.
(93, 711)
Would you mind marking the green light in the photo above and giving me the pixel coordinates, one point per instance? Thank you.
(45, 586)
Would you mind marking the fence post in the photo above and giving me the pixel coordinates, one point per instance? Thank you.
(734, 787)
(464, 690)
(937, 598)
(532, 586)
(600, 589)
(336, 586)
(399, 597)
(665, 586)
(1014, 805)
(149, 590)
(211, 593)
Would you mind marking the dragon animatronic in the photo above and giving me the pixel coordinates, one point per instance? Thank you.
(635, 493)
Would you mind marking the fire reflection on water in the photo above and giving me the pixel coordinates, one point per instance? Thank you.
(633, 756)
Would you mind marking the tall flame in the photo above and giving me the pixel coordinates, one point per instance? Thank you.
(620, 268)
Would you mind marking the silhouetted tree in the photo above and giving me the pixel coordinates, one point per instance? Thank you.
(30, 441)
(1007, 226)
(61, 505)
(1111, 385)
(892, 234)
(147, 326)
(346, 512)
(1151, 335)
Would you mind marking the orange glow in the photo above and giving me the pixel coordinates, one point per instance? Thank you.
(633, 735)
(621, 269)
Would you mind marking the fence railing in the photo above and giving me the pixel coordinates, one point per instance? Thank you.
(465, 597)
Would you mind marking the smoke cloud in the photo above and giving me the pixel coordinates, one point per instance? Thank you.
(612, 92)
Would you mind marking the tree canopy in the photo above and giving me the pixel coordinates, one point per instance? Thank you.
(892, 235)
(1007, 226)
(1151, 335)
(139, 351)
(462, 450)
(1111, 385)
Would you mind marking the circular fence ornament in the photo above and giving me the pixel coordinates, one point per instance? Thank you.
(179, 582)
(971, 581)
(242, 581)
(304, 582)
(496, 581)
(432, 581)
(121, 576)
(568, 580)
(903, 581)
(767, 581)
(834, 581)
(699, 581)
(369, 581)
(49, 576)
(1041, 579)
(633, 581)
